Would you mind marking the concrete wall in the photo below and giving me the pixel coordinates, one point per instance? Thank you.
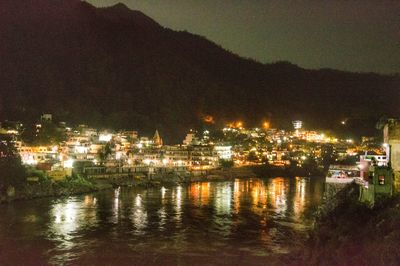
(391, 135)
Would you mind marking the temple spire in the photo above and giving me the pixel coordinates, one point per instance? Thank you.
(157, 140)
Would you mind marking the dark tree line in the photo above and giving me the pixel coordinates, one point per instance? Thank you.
(12, 173)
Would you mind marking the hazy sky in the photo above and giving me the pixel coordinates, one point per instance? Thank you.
(359, 35)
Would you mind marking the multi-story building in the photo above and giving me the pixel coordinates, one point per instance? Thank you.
(176, 155)
(223, 152)
(203, 156)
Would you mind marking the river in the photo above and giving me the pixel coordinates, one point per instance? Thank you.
(248, 221)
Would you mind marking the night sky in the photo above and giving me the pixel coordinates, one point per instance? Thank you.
(361, 35)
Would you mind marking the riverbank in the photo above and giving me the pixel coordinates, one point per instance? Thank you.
(47, 188)
(74, 186)
(69, 187)
(224, 174)
(347, 232)
(267, 170)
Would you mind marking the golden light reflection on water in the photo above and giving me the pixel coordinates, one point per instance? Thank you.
(236, 196)
(177, 197)
(67, 217)
(277, 194)
(223, 199)
(280, 194)
(224, 208)
(116, 206)
(139, 215)
(226, 198)
(300, 196)
(199, 193)
(162, 214)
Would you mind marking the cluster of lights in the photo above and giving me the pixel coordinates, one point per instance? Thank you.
(236, 124)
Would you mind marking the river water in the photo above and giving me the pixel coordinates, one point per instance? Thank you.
(248, 221)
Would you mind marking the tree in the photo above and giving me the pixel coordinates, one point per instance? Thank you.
(265, 160)
(327, 156)
(12, 173)
(310, 164)
(226, 163)
(252, 157)
(47, 134)
(104, 153)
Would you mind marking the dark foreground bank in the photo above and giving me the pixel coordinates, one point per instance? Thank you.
(348, 232)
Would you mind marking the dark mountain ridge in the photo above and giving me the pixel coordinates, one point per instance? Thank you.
(115, 67)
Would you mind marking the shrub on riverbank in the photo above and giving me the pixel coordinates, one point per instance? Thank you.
(75, 182)
(354, 234)
(46, 187)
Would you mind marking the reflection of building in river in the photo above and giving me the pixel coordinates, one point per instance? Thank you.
(277, 191)
(223, 198)
(139, 216)
(116, 206)
(281, 194)
(177, 200)
(70, 215)
(199, 193)
(236, 196)
(258, 193)
(299, 196)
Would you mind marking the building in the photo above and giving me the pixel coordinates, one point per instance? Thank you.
(203, 157)
(224, 152)
(297, 124)
(176, 155)
(391, 137)
(191, 138)
(157, 140)
(46, 117)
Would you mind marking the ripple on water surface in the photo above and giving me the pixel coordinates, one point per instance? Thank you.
(245, 221)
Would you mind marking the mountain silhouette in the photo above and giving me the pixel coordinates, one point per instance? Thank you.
(115, 67)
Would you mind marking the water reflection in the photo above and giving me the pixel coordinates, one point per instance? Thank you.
(251, 217)
(139, 216)
(67, 218)
(70, 214)
(116, 206)
(300, 196)
(223, 199)
(199, 193)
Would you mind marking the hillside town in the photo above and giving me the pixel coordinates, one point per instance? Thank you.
(92, 153)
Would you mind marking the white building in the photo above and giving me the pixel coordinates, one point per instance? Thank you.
(224, 152)
(176, 156)
(191, 139)
(297, 124)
